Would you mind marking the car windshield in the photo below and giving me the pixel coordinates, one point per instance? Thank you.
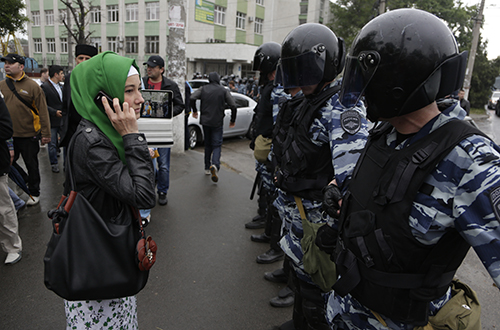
(197, 84)
(496, 95)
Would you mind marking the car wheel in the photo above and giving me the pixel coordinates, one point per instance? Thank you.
(194, 136)
(497, 111)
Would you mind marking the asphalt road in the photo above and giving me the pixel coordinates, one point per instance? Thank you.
(206, 276)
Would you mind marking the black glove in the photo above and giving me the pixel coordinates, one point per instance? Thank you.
(331, 198)
(326, 238)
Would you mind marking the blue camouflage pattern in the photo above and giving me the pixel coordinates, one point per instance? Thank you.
(277, 96)
(465, 183)
(346, 149)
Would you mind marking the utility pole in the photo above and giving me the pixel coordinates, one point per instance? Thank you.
(70, 41)
(473, 50)
(381, 7)
(176, 53)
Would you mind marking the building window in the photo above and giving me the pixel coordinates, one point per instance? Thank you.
(112, 13)
(259, 2)
(219, 15)
(64, 45)
(51, 45)
(35, 15)
(95, 14)
(63, 16)
(303, 9)
(112, 45)
(96, 42)
(152, 11)
(131, 12)
(302, 21)
(257, 28)
(38, 45)
(49, 17)
(153, 45)
(240, 20)
(131, 45)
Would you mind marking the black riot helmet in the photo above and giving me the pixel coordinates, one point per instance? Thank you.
(266, 57)
(310, 54)
(402, 61)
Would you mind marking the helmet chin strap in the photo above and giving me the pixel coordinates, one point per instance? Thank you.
(319, 88)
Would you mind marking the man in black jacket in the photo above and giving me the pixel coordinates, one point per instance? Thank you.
(9, 233)
(156, 80)
(71, 117)
(53, 96)
(214, 98)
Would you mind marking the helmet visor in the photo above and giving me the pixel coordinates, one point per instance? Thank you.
(303, 70)
(257, 61)
(359, 71)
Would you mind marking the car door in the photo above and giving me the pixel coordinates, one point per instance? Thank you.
(243, 116)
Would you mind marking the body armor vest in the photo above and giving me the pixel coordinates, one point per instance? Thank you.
(382, 265)
(301, 167)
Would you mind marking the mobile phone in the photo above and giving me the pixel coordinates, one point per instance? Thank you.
(98, 100)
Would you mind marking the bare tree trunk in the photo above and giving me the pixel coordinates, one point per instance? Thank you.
(176, 52)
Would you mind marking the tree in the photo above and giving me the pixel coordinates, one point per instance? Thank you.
(78, 10)
(11, 19)
(351, 15)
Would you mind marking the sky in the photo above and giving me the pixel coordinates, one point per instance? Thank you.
(491, 25)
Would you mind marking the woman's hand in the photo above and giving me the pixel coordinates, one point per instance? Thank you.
(124, 121)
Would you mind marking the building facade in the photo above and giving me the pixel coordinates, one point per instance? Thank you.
(220, 35)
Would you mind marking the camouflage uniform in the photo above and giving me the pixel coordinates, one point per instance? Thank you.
(345, 149)
(465, 198)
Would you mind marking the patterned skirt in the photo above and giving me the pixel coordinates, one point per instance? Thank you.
(114, 314)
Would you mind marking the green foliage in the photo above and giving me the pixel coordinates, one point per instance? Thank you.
(11, 19)
(483, 77)
(351, 15)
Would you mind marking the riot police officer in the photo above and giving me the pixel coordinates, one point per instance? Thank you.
(315, 143)
(265, 60)
(426, 187)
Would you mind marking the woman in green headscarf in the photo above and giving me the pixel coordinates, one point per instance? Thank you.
(111, 165)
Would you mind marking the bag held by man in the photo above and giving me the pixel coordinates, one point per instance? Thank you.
(91, 258)
(262, 148)
(317, 263)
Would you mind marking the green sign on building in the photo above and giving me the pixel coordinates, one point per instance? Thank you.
(204, 11)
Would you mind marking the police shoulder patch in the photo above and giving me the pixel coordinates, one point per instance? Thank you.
(350, 121)
(495, 201)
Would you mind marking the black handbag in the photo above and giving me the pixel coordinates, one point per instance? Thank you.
(91, 258)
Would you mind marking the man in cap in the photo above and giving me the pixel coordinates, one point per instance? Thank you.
(71, 118)
(156, 80)
(30, 118)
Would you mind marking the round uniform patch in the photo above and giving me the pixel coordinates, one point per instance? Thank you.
(350, 121)
(495, 201)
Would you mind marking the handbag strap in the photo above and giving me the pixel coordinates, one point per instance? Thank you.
(69, 171)
(13, 89)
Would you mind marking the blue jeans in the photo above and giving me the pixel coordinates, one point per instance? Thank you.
(163, 174)
(52, 148)
(213, 144)
(18, 202)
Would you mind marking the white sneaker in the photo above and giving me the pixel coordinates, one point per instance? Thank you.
(33, 200)
(214, 171)
(207, 172)
(12, 258)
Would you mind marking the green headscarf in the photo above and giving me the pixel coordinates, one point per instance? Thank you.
(107, 72)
